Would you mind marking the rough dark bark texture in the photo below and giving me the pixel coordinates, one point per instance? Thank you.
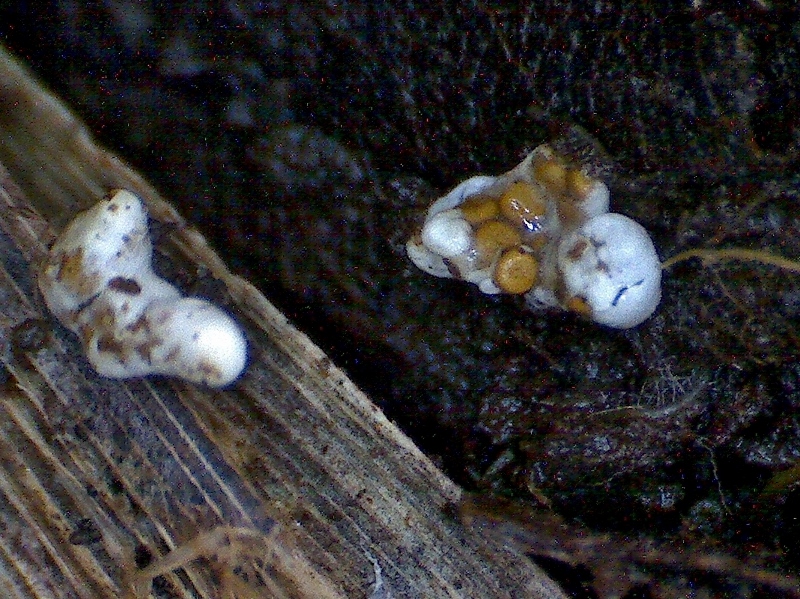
(305, 140)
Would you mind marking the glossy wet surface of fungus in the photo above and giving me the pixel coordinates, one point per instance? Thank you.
(543, 229)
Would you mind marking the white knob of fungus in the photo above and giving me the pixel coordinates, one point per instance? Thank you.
(596, 200)
(199, 342)
(447, 234)
(98, 280)
(108, 240)
(610, 263)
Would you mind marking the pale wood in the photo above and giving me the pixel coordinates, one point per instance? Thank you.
(292, 475)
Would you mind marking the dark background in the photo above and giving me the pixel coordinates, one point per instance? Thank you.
(306, 140)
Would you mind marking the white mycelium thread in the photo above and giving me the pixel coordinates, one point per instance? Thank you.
(99, 282)
(543, 230)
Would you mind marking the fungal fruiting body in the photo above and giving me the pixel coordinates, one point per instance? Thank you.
(610, 267)
(543, 230)
(99, 282)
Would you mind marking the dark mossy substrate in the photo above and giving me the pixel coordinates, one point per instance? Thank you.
(305, 142)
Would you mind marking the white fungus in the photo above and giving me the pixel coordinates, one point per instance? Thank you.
(447, 234)
(543, 230)
(610, 264)
(99, 282)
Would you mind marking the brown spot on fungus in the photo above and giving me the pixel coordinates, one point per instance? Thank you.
(210, 371)
(140, 324)
(145, 349)
(70, 267)
(108, 343)
(85, 332)
(123, 285)
(576, 251)
(172, 355)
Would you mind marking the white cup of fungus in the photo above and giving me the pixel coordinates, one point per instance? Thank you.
(543, 230)
(99, 282)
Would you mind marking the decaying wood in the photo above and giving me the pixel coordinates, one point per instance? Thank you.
(293, 465)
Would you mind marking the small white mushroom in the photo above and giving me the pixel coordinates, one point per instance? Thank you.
(610, 265)
(99, 282)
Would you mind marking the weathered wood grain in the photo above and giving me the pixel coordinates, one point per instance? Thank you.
(291, 478)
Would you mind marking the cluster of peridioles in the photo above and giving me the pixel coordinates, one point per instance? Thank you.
(543, 229)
